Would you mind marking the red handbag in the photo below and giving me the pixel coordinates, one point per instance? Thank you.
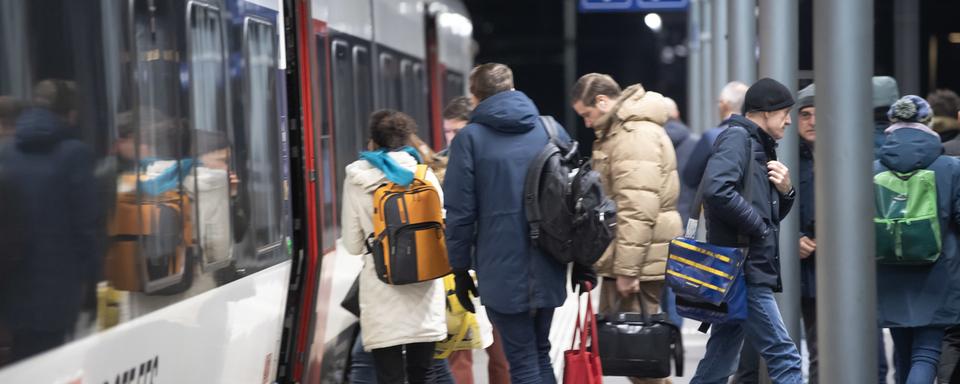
(582, 366)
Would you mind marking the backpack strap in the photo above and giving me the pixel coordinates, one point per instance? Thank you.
(531, 189)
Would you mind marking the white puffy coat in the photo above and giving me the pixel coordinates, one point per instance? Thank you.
(390, 315)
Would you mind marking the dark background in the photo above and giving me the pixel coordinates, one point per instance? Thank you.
(527, 35)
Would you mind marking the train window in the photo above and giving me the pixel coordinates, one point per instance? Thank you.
(213, 181)
(263, 163)
(453, 86)
(150, 222)
(390, 82)
(344, 111)
(414, 98)
(363, 83)
(325, 192)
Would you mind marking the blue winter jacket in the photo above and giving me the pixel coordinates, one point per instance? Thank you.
(483, 196)
(53, 177)
(917, 296)
(692, 172)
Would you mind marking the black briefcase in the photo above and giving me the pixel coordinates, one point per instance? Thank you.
(634, 346)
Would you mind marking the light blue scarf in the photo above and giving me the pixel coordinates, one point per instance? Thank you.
(394, 172)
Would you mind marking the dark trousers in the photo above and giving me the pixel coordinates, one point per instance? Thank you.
(948, 372)
(527, 345)
(808, 309)
(393, 365)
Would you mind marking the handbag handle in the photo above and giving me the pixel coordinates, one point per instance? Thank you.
(589, 324)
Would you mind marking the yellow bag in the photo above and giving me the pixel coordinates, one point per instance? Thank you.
(463, 329)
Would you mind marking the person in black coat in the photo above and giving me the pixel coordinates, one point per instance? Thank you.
(52, 177)
(746, 192)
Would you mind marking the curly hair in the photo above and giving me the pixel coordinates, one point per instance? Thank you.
(391, 129)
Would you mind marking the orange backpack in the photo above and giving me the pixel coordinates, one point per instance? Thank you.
(408, 243)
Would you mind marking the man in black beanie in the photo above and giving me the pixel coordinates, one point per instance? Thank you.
(746, 192)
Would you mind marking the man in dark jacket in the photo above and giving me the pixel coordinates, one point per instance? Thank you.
(807, 129)
(483, 189)
(746, 193)
(54, 185)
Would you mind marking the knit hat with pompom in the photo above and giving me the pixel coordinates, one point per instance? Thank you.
(910, 109)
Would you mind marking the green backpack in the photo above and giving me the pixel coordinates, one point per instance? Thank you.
(907, 225)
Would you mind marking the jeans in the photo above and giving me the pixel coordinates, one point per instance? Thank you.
(527, 345)
(764, 328)
(918, 353)
(362, 369)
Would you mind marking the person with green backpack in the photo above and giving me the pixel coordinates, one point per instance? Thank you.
(917, 194)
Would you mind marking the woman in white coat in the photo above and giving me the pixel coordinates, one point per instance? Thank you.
(393, 318)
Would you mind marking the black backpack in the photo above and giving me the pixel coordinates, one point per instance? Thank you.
(570, 217)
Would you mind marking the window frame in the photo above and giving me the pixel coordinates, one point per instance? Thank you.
(273, 111)
(225, 123)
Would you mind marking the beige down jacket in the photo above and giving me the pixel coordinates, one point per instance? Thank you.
(390, 315)
(638, 168)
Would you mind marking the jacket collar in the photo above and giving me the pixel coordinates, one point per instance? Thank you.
(768, 144)
(605, 124)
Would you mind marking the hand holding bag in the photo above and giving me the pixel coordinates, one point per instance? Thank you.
(582, 366)
(638, 345)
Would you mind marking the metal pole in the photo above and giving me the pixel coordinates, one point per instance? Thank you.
(846, 271)
(719, 35)
(906, 45)
(742, 32)
(569, 60)
(778, 60)
(706, 67)
(694, 83)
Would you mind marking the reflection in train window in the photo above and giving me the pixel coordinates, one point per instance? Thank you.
(213, 182)
(344, 115)
(150, 225)
(363, 84)
(263, 165)
(325, 191)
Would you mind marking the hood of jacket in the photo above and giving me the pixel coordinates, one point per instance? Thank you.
(368, 177)
(39, 128)
(635, 104)
(508, 112)
(908, 149)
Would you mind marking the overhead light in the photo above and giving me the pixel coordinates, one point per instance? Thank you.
(954, 37)
(653, 21)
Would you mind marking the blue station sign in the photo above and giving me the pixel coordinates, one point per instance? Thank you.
(632, 5)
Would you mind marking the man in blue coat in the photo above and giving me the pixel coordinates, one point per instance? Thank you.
(483, 189)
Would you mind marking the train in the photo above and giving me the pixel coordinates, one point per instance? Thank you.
(170, 171)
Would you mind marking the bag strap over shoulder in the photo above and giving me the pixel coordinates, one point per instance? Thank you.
(421, 173)
(693, 223)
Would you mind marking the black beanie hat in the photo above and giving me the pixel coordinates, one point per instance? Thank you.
(767, 95)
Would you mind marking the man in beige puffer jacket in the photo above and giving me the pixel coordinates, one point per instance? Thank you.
(638, 168)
